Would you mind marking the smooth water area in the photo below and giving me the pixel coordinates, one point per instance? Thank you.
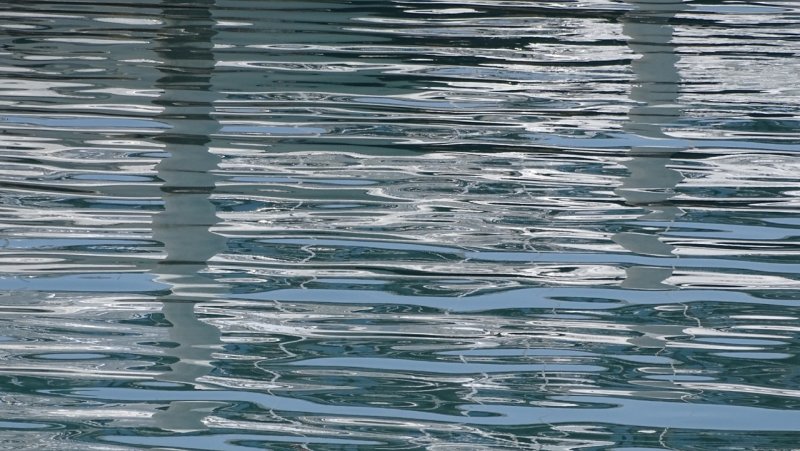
(399, 224)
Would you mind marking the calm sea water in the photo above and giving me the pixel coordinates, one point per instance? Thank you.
(434, 225)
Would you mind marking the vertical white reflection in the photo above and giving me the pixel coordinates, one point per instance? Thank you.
(650, 183)
(184, 48)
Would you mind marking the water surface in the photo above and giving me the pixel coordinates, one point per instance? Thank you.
(474, 225)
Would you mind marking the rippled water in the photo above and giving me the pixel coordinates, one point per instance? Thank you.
(473, 225)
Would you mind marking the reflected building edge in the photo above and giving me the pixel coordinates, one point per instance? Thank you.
(650, 183)
(184, 47)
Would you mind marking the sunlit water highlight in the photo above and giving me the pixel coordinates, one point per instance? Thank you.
(473, 225)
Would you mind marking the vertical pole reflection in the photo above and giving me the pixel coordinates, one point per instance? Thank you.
(650, 182)
(184, 48)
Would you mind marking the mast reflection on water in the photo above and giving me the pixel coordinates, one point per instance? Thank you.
(185, 48)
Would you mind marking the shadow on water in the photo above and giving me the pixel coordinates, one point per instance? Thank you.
(650, 183)
(185, 48)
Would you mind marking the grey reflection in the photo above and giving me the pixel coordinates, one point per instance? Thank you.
(184, 47)
(651, 183)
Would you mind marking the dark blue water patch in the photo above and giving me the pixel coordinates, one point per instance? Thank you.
(84, 123)
(742, 341)
(83, 283)
(66, 243)
(602, 142)
(520, 352)
(677, 378)
(352, 282)
(740, 9)
(723, 231)
(229, 442)
(766, 126)
(755, 355)
(23, 425)
(554, 355)
(418, 103)
(583, 409)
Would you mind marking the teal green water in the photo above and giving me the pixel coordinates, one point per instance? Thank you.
(399, 225)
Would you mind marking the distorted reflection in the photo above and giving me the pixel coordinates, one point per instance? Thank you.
(650, 183)
(185, 48)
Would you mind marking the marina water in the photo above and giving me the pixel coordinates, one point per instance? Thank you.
(399, 225)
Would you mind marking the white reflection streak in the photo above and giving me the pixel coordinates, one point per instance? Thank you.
(185, 47)
(650, 182)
